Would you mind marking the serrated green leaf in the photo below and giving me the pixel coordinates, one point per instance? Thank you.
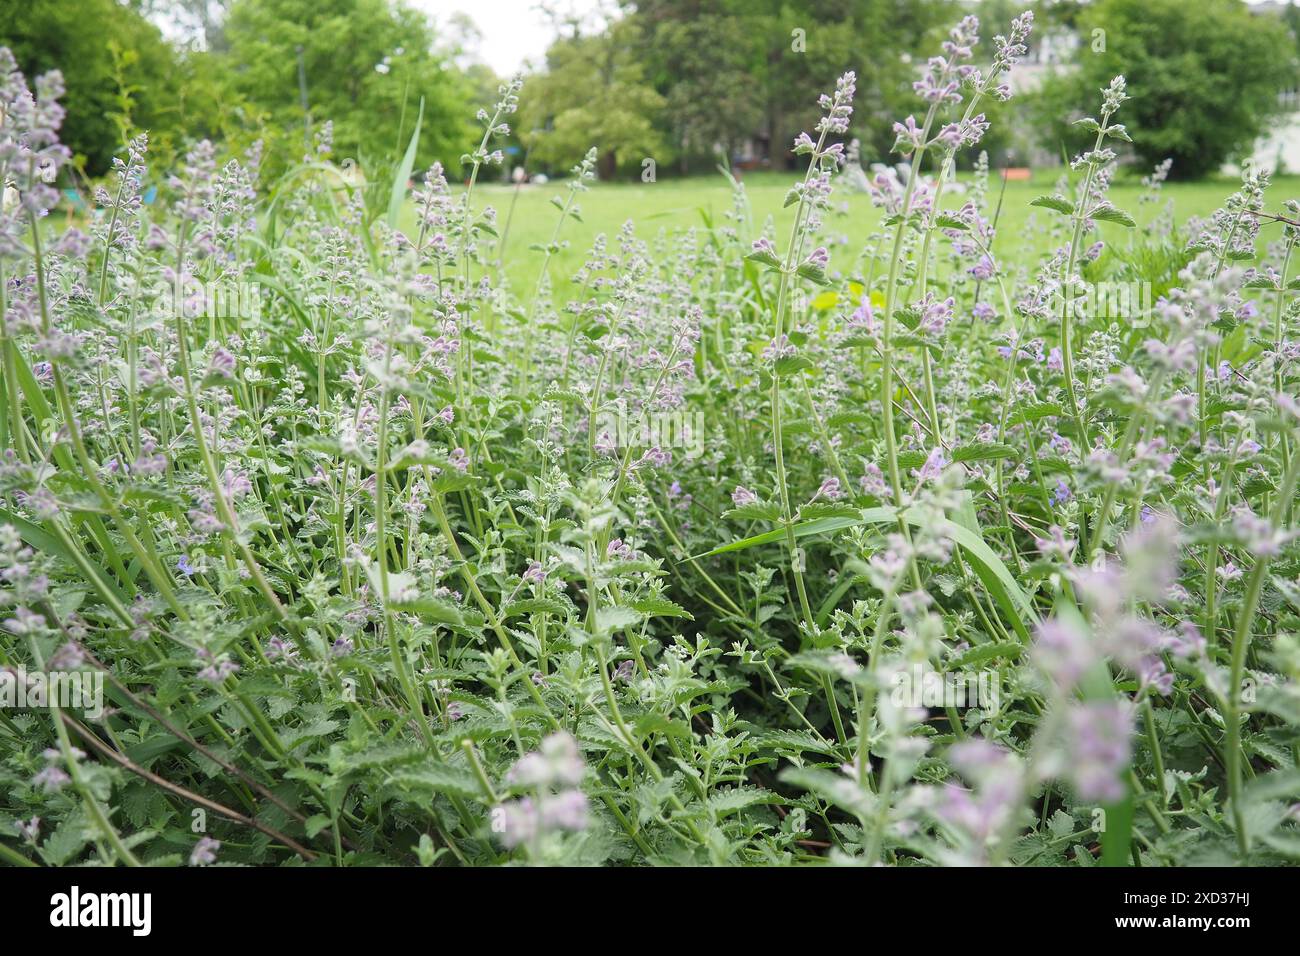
(1058, 203)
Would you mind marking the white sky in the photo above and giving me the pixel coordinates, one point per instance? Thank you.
(511, 31)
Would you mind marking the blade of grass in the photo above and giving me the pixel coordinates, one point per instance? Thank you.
(403, 173)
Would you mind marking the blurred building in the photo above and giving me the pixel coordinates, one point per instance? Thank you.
(1278, 150)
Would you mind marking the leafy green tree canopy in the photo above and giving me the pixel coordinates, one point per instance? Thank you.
(115, 65)
(1204, 76)
(365, 64)
(593, 93)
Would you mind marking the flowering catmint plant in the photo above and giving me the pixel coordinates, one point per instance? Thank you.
(736, 544)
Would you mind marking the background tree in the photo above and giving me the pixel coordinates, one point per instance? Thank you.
(365, 63)
(196, 20)
(120, 72)
(882, 42)
(703, 58)
(1204, 78)
(732, 71)
(594, 93)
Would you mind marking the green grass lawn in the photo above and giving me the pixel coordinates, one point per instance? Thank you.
(674, 204)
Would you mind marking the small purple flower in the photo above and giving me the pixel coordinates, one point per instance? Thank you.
(221, 365)
(1154, 674)
(838, 108)
(204, 520)
(933, 467)
(217, 671)
(520, 822)
(556, 762)
(236, 484)
(908, 136)
(778, 348)
(818, 259)
(983, 270)
(830, 490)
(51, 779)
(949, 137)
(973, 130)
(566, 810)
(1062, 494)
(1063, 652)
(1099, 748)
(42, 503)
(654, 458)
(205, 852)
(29, 830)
(1055, 545)
(1187, 642)
(278, 649)
(985, 811)
(68, 657)
(873, 482)
(935, 314)
(864, 316)
(26, 621)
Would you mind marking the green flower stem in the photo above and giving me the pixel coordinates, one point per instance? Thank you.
(17, 426)
(792, 251)
(13, 857)
(96, 813)
(542, 276)
(413, 702)
(224, 510)
(1135, 423)
(1153, 742)
(1240, 645)
(479, 773)
(887, 338)
(148, 560)
(1210, 622)
(1067, 272)
(923, 270)
(867, 703)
